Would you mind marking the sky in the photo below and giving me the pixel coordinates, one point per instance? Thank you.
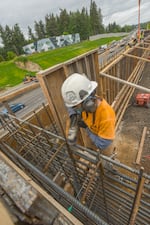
(25, 12)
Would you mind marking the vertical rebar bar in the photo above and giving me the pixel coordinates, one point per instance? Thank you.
(137, 198)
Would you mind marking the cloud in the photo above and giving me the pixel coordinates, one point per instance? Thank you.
(125, 12)
(25, 12)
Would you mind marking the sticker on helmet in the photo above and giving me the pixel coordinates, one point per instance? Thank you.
(71, 96)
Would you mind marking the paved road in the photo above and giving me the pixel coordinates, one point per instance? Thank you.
(32, 99)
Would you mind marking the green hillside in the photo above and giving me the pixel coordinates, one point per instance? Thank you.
(11, 75)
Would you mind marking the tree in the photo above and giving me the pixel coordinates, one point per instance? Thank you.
(102, 30)
(95, 19)
(32, 37)
(113, 27)
(84, 25)
(6, 35)
(13, 39)
(148, 26)
(18, 40)
(63, 22)
(39, 29)
(51, 26)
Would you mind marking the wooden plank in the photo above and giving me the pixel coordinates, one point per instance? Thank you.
(136, 57)
(139, 47)
(138, 159)
(87, 65)
(51, 86)
(125, 82)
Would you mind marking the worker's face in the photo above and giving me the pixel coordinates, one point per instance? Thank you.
(89, 105)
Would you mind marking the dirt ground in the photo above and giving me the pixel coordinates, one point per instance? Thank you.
(130, 131)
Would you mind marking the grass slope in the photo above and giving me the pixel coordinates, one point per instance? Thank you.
(11, 75)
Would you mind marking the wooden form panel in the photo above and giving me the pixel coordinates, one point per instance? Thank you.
(52, 79)
(85, 63)
(51, 84)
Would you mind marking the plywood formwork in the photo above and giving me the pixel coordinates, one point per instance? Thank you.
(51, 81)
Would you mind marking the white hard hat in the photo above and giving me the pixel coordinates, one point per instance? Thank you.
(76, 88)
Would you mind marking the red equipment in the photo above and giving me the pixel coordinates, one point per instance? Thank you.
(143, 100)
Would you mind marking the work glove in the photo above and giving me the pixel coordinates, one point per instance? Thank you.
(73, 130)
(82, 124)
(72, 135)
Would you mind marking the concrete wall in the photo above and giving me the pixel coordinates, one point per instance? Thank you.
(98, 36)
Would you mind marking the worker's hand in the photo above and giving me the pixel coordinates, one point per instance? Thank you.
(72, 135)
(82, 124)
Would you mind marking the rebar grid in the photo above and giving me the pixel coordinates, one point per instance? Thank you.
(108, 195)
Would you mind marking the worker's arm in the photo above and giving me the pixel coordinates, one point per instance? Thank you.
(99, 142)
(71, 111)
(72, 127)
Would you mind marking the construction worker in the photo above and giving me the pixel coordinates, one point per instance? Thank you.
(88, 111)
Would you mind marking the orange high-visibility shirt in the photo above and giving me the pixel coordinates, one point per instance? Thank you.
(102, 122)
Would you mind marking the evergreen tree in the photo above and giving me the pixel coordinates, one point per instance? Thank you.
(6, 35)
(13, 39)
(73, 28)
(39, 29)
(113, 28)
(51, 26)
(95, 19)
(84, 25)
(102, 29)
(31, 35)
(63, 22)
(18, 40)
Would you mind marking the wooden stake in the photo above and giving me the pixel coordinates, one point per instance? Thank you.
(138, 159)
(137, 198)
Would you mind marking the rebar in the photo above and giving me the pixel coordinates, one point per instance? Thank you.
(55, 187)
(111, 189)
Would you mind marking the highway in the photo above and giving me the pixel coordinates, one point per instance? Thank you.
(32, 99)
